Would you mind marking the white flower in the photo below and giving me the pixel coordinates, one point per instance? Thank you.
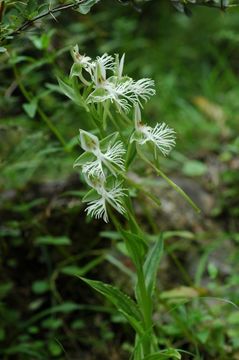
(124, 93)
(93, 168)
(143, 89)
(97, 208)
(81, 62)
(84, 61)
(101, 65)
(161, 135)
(120, 94)
(112, 156)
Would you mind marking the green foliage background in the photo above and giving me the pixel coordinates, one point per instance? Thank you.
(45, 311)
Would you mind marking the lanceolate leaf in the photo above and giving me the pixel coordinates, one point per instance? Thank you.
(122, 302)
(151, 264)
(135, 246)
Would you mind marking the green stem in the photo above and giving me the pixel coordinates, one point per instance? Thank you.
(143, 299)
(140, 188)
(43, 116)
(117, 127)
(169, 181)
(146, 307)
(96, 119)
(125, 117)
(135, 184)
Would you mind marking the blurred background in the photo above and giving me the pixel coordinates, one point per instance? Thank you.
(45, 240)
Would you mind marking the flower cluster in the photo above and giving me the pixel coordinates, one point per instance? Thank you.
(99, 163)
(121, 90)
(102, 163)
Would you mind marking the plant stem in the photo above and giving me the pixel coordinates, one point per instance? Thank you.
(28, 23)
(170, 182)
(146, 307)
(143, 299)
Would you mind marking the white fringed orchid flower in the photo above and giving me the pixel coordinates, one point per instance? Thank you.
(110, 155)
(162, 136)
(119, 89)
(82, 60)
(124, 93)
(113, 195)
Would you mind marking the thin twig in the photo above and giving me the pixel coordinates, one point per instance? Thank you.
(50, 12)
(210, 4)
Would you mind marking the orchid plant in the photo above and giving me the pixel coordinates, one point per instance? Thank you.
(118, 137)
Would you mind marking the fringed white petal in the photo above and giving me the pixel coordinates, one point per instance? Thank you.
(114, 154)
(161, 135)
(97, 209)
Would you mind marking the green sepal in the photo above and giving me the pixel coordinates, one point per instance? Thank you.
(83, 159)
(99, 92)
(108, 140)
(91, 195)
(76, 69)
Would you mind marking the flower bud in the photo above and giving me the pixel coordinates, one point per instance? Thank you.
(88, 141)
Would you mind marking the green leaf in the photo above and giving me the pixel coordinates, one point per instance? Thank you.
(164, 354)
(40, 286)
(122, 302)
(86, 7)
(73, 270)
(151, 264)
(53, 240)
(54, 348)
(76, 70)
(136, 247)
(194, 168)
(52, 323)
(67, 90)
(30, 108)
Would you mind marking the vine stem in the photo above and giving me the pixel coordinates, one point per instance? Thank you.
(41, 113)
